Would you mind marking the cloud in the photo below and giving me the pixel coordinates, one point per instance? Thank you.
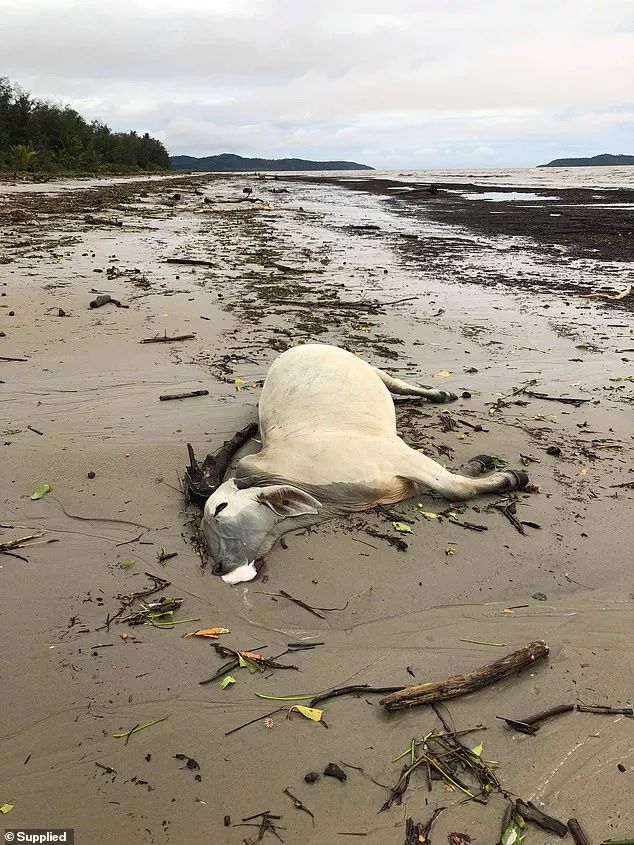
(400, 83)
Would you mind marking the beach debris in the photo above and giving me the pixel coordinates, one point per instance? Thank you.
(417, 833)
(577, 402)
(577, 832)
(513, 827)
(554, 450)
(213, 633)
(450, 550)
(35, 430)
(127, 564)
(268, 722)
(402, 527)
(104, 299)
(163, 556)
(530, 813)
(266, 825)
(312, 713)
(92, 474)
(311, 777)
(196, 262)
(397, 542)
(458, 685)
(6, 808)
(629, 291)
(332, 770)
(127, 601)
(442, 374)
(531, 724)
(190, 763)
(459, 839)
(299, 805)
(200, 480)
(8, 547)
(40, 491)
(539, 596)
(365, 689)
(249, 660)
(165, 339)
(137, 728)
(227, 682)
(4, 357)
(151, 612)
(603, 710)
(188, 394)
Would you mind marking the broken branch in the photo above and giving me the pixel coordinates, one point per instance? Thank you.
(458, 685)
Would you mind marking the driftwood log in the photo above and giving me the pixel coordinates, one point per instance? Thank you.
(201, 480)
(469, 682)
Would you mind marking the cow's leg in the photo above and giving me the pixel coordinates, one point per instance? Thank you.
(477, 466)
(401, 388)
(427, 473)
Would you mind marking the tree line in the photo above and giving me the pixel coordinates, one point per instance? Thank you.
(45, 137)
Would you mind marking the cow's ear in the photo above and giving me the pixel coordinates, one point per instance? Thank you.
(289, 501)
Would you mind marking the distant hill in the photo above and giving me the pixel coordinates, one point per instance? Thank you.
(229, 163)
(603, 160)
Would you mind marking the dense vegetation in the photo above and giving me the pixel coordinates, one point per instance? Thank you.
(44, 137)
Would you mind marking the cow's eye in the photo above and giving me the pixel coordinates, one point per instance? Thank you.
(220, 507)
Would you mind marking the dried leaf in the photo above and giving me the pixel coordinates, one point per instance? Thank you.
(226, 682)
(450, 550)
(212, 633)
(312, 713)
(513, 832)
(403, 527)
(40, 491)
(245, 663)
(239, 381)
(442, 374)
(428, 514)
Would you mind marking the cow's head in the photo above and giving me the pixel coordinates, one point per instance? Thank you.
(241, 523)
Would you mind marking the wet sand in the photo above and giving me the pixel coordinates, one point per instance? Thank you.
(497, 312)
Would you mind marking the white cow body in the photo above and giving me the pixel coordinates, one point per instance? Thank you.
(329, 446)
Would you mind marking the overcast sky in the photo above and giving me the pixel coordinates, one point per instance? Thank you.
(392, 83)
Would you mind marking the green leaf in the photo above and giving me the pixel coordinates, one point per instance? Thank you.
(40, 491)
(156, 614)
(403, 527)
(245, 663)
(513, 832)
(284, 697)
(226, 682)
(6, 808)
(127, 564)
(429, 514)
(477, 751)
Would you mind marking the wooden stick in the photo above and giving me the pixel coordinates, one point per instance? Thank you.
(166, 339)
(530, 813)
(3, 358)
(195, 261)
(578, 833)
(187, 395)
(469, 682)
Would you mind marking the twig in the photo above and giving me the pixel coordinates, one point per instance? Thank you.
(299, 804)
(253, 721)
(166, 339)
(35, 430)
(469, 682)
(195, 261)
(302, 604)
(4, 358)
(531, 722)
(364, 688)
(605, 711)
(186, 395)
(563, 399)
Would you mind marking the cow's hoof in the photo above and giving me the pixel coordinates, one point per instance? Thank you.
(517, 479)
(479, 465)
(440, 397)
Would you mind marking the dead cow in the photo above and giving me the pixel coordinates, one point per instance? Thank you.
(329, 446)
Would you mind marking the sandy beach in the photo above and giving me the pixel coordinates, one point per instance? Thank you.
(435, 289)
